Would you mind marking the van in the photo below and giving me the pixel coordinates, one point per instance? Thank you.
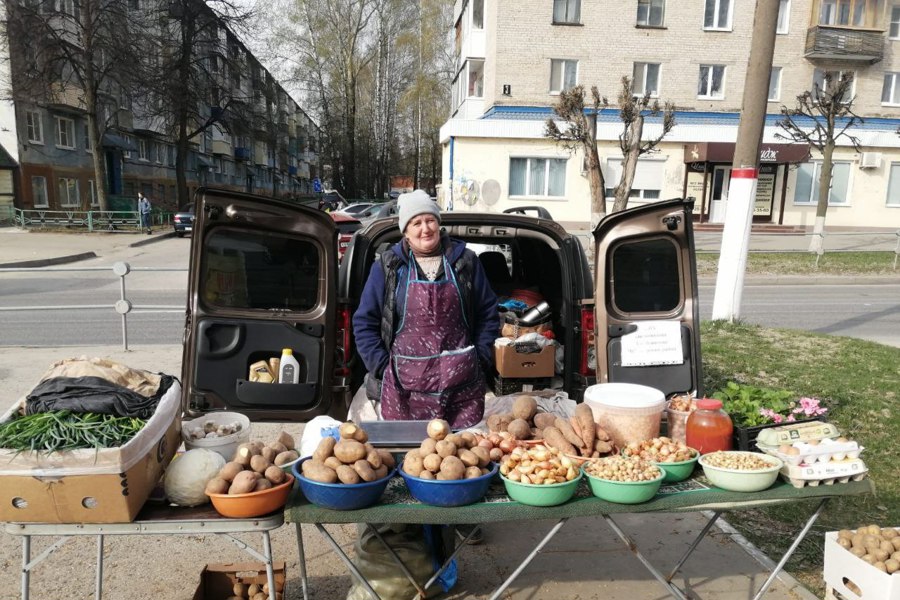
(265, 275)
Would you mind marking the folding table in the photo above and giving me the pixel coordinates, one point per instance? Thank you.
(154, 519)
(397, 506)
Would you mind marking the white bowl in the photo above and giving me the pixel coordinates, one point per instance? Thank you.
(742, 480)
(225, 445)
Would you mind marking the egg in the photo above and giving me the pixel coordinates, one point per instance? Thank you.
(842, 440)
(784, 448)
(813, 442)
(791, 451)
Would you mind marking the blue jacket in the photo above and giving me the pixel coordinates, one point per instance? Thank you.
(368, 317)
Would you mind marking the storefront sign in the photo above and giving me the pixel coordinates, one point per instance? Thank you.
(765, 191)
(723, 152)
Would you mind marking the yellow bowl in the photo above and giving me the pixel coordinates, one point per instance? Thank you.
(253, 504)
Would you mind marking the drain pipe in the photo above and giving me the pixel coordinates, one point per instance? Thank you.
(450, 198)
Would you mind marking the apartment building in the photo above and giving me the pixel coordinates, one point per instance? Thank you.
(514, 57)
(262, 141)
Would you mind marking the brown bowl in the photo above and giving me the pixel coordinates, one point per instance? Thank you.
(253, 504)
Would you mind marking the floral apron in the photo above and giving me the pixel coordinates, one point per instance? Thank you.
(434, 370)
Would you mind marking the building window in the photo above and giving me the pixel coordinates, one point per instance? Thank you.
(126, 153)
(843, 12)
(717, 14)
(160, 153)
(893, 194)
(34, 127)
(68, 192)
(537, 177)
(476, 79)
(712, 81)
(39, 191)
(65, 133)
(774, 84)
(563, 75)
(890, 93)
(87, 137)
(784, 17)
(895, 23)
(651, 13)
(92, 193)
(477, 14)
(824, 81)
(143, 154)
(645, 79)
(648, 178)
(807, 188)
(567, 11)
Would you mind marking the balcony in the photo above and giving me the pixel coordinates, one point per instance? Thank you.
(66, 97)
(147, 124)
(241, 153)
(222, 147)
(843, 43)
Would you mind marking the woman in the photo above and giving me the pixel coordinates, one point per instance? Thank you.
(427, 322)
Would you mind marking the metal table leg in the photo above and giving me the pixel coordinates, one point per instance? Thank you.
(98, 577)
(26, 567)
(671, 587)
(270, 571)
(349, 563)
(499, 591)
(301, 561)
(450, 558)
(693, 546)
(398, 562)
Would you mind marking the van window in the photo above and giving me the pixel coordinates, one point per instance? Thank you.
(259, 271)
(645, 276)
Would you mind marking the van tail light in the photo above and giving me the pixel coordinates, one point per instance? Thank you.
(588, 364)
(342, 325)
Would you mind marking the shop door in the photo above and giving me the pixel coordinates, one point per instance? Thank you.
(719, 193)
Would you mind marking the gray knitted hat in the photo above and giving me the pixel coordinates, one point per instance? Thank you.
(416, 203)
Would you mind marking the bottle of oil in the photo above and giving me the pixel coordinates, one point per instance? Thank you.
(289, 369)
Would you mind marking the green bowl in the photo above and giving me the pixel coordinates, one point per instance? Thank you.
(678, 471)
(624, 492)
(541, 495)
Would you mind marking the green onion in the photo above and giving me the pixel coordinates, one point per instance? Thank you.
(56, 431)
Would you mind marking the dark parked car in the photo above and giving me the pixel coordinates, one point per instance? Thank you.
(347, 225)
(264, 276)
(183, 221)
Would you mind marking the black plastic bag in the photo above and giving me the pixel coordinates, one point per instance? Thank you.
(94, 395)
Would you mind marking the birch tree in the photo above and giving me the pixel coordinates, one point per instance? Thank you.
(821, 117)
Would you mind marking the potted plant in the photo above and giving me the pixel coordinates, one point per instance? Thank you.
(753, 409)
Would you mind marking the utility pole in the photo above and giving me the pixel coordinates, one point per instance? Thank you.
(745, 168)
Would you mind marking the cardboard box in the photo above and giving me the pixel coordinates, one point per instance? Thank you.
(844, 571)
(217, 580)
(90, 486)
(521, 364)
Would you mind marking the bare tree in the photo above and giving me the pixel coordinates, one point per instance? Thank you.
(821, 117)
(81, 53)
(581, 134)
(633, 110)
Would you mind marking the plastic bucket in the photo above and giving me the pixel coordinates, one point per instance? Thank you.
(225, 445)
(449, 493)
(341, 496)
(627, 411)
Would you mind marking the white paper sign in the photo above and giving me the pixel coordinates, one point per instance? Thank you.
(654, 343)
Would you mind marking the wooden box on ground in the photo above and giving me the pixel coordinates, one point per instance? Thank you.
(90, 486)
(217, 579)
(504, 386)
(525, 364)
(845, 572)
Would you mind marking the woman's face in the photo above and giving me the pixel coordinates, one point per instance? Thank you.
(422, 233)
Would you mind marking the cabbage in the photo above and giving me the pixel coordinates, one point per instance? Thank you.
(187, 476)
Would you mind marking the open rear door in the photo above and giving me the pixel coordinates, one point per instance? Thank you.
(647, 314)
(263, 277)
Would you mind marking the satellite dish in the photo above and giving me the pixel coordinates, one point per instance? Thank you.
(490, 191)
(470, 192)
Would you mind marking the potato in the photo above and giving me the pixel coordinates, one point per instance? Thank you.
(351, 431)
(217, 485)
(349, 451)
(427, 446)
(544, 420)
(324, 449)
(382, 472)
(468, 458)
(275, 474)
(262, 484)
(365, 470)
(333, 462)
(438, 429)
(287, 440)
(432, 462)
(426, 474)
(451, 468)
(277, 447)
(239, 589)
(554, 438)
(243, 454)
(469, 440)
(244, 482)
(254, 589)
(387, 458)
(230, 470)
(472, 472)
(524, 407)
(520, 429)
(316, 471)
(372, 457)
(445, 448)
(483, 454)
(348, 474)
(259, 463)
(493, 423)
(285, 457)
(268, 453)
(412, 464)
(252, 447)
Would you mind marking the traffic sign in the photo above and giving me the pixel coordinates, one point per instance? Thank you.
(317, 185)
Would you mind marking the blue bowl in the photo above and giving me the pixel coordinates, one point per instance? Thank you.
(341, 496)
(449, 493)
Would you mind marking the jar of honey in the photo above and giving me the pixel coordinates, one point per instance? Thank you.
(709, 428)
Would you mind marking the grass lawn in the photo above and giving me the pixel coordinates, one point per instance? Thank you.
(859, 381)
(804, 263)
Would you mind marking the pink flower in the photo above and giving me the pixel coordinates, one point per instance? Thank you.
(810, 407)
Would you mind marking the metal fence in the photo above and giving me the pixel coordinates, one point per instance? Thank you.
(90, 220)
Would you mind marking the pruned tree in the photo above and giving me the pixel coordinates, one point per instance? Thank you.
(821, 117)
(81, 53)
(581, 134)
(633, 110)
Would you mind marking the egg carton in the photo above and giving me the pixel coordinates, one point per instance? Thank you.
(828, 473)
(827, 450)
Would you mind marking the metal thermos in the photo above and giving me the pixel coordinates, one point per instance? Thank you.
(535, 314)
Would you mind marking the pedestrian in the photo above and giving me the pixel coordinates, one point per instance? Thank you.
(144, 208)
(425, 329)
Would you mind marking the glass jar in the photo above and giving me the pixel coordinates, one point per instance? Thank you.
(709, 428)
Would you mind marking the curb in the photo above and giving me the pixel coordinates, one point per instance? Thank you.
(752, 280)
(47, 262)
(151, 240)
